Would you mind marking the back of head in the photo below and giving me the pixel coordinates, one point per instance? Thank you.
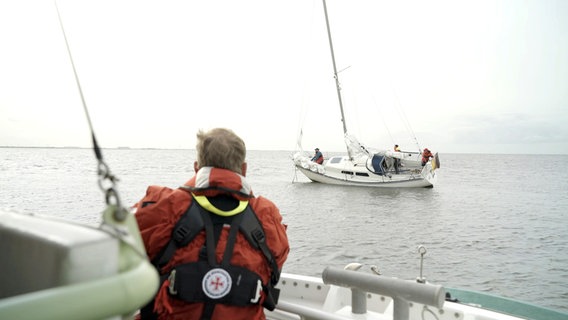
(220, 148)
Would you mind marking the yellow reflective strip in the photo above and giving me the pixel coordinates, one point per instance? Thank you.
(204, 202)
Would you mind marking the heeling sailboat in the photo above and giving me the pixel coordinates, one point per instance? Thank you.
(364, 166)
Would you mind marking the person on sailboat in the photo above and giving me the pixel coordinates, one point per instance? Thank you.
(426, 155)
(219, 249)
(318, 156)
(396, 160)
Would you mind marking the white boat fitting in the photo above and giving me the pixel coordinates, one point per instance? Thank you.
(56, 269)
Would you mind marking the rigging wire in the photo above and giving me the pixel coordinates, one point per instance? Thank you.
(303, 116)
(111, 195)
(405, 119)
(381, 115)
(306, 89)
(351, 102)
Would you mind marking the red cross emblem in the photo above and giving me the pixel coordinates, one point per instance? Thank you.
(216, 283)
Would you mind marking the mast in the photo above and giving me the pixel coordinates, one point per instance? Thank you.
(336, 76)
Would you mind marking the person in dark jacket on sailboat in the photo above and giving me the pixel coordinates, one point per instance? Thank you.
(396, 160)
(318, 157)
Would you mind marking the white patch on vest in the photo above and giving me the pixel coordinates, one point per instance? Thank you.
(202, 177)
(216, 283)
(245, 187)
(204, 173)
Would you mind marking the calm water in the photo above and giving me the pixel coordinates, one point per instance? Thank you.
(495, 223)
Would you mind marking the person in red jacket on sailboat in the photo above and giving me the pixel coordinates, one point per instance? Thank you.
(426, 155)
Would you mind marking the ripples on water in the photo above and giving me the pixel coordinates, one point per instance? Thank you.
(495, 223)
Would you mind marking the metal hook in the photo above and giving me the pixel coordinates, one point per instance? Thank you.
(104, 177)
(112, 198)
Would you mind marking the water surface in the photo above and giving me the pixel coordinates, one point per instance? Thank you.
(494, 223)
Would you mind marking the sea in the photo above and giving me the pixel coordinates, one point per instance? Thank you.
(493, 223)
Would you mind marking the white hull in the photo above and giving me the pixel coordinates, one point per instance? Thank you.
(342, 171)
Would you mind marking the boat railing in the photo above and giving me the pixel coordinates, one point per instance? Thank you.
(342, 294)
(401, 291)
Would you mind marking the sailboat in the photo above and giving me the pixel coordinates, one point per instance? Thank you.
(364, 166)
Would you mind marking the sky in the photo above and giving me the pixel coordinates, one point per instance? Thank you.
(484, 76)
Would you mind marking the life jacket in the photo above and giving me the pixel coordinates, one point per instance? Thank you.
(158, 213)
(207, 280)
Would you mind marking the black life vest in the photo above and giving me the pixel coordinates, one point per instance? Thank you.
(206, 280)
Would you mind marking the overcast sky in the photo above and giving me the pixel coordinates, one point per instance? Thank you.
(455, 76)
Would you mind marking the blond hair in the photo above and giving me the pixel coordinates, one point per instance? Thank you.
(220, 148)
